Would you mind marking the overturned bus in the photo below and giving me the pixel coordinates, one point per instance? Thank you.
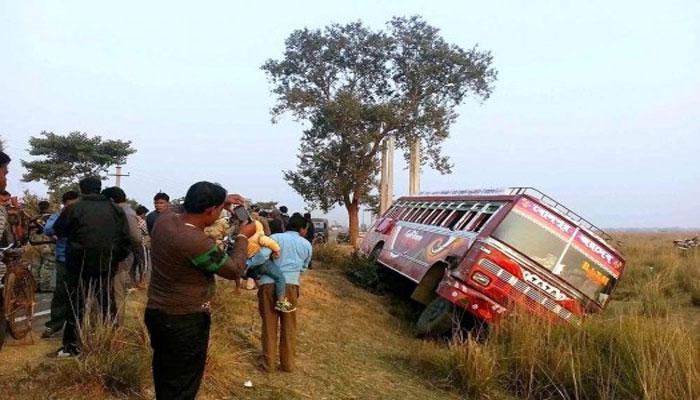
(487, 251)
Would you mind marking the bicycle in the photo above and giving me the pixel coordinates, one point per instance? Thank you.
(16, 296)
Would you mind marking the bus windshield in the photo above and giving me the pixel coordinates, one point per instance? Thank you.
(559, 247)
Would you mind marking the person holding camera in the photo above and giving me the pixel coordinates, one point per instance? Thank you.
(185, 261)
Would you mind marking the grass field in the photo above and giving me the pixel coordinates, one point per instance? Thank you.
(356, 342)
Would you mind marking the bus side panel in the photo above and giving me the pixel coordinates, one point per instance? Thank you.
(412, 250)
(370, 240)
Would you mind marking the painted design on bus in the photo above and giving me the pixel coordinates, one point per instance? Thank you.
(427, 244)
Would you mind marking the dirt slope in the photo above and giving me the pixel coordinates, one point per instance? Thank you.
(351, 345)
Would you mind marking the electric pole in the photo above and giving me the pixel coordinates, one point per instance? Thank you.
(386, 183)
(414, 168)
(118, 176)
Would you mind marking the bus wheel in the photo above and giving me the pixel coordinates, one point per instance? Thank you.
(374, 254)
(436, 319)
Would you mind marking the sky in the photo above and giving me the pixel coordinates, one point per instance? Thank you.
(596, 102)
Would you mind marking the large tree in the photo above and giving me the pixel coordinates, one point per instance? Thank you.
(65, 159)
(354, 87)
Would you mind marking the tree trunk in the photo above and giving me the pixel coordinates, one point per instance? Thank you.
(353, 222)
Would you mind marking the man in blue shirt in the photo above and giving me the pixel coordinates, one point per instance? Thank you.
(295, 255)
(60, 304)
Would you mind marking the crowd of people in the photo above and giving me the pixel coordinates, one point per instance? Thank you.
(96, 249)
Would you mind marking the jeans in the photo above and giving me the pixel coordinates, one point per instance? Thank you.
(179, 345)
(274, 272)
(60, 302)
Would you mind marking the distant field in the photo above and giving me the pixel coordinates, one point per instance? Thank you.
(354, 344)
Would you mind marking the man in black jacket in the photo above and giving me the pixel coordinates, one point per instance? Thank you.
(98, 239)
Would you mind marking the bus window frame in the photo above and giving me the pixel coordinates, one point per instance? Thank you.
(438, 209)
(414, 207)
(419, 210)
(437, 220)
(423, 215)
(444, 221)
(405, 209)
(469, 216)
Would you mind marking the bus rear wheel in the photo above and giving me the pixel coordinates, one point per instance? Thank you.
(374, 254)
(436, 319)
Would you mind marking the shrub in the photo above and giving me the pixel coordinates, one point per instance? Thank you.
(328, 256)
(364, 273)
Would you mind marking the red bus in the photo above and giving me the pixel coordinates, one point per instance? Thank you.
(485, 251)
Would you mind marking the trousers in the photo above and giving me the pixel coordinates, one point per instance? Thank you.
(272, 320)
(60, 302)
(179, 345)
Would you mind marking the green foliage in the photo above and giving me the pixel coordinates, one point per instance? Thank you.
(30, 203)
(328, 256)
(365, 274)
(66, 159)
(356, 87)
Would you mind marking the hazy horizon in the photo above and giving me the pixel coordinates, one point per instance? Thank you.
(596, 104)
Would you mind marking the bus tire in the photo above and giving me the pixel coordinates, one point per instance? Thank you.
(374, 254)
(436, 318)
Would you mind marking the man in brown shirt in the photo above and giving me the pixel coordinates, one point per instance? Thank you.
(185, 261)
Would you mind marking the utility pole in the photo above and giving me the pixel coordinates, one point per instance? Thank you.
(118, 175)
(386, 182)
(414, 169)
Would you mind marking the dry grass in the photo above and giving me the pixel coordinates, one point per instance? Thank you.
(355, 344)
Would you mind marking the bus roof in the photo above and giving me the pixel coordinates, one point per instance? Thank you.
(510, 194)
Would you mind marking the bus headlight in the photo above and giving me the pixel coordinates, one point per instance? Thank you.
(481, 278)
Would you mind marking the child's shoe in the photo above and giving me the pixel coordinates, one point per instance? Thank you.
(285, 306)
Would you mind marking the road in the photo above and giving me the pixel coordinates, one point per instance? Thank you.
(42, 309)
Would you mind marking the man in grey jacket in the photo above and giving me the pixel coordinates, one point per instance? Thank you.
(118, 196)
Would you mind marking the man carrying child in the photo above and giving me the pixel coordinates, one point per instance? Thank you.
(255, 244)
(294, 258)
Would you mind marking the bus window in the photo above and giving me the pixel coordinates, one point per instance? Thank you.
(397, 211)
(448, 218)
(423, 215)
(412, 210)
(416, 213)
(480, 222)
(537, 243)
(431, 216)
(391, 213)
(455, 219)
(439, 217)
(465, 220)
(405, 210)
